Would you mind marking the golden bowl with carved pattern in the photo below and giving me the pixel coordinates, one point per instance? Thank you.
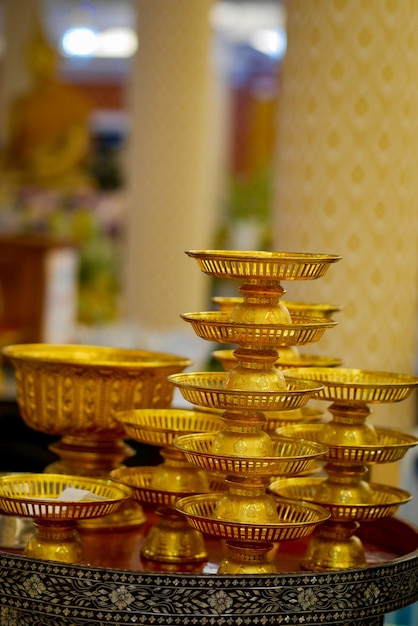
(78, 389)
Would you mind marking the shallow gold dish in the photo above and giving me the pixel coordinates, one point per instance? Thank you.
(78, 389)
(262, 265)
(296, 520)
(390, 447)
(209, 390)
(385, 500)
(293, 457)
(217, 326)
(36, 496)
(227, 304)
(139, 480)
(228, 360)
(159, 427)
(356, 386)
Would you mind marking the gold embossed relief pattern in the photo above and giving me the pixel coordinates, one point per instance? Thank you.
(347, 178)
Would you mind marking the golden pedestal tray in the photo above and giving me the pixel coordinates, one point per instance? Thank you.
(75, 391)
(42, 497)
(290, 356)
(246, 515)
(353, 445)
(171, 540)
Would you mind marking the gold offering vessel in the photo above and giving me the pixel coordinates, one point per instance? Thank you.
(56, 503)
(249, 518)
(75, 391)
(352, 446)
(171, 540)
(289, 356)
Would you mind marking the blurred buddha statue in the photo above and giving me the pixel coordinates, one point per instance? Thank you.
(48, 140)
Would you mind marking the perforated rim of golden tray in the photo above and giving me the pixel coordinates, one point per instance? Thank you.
(138, 479)
(228, 360)
(298, 519)
(159, 427)
(208, 389)
(278, 419)
(89, 356)
(349, 385)
(216, 326)
(390, 446)
(386, 499)
(262, 264)
(227, 303)
(36, 495)
(292, 456)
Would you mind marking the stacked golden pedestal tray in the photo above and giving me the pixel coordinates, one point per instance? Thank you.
(244, 450)
(171, 540)
(353, 446)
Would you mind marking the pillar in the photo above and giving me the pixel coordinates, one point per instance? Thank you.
(17, 32)
(170, 164)
(347, 178)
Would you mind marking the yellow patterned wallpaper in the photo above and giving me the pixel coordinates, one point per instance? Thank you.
(347, 176)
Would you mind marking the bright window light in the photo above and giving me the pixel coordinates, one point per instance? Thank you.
(117, 43)
(269, 41)
(110, 43)
(80, 42)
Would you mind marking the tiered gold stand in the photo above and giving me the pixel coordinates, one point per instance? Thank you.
(353, 445)
(171, 540)
(75, 392)
(246, 516)
(289, 356)
(38, 496)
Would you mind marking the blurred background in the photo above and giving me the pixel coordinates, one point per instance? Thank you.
(131, 131)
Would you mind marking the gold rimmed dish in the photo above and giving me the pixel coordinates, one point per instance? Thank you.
(296, 520)
(217, 326)
(390, 447)
(56, 503)
(262, 265)
(227, 304)
(210, 390)
(384, 501)
(357, 386)
(159, 427)
(291, 457)
(228, 360)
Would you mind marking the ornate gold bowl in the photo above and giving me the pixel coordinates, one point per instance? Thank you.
(77, 389)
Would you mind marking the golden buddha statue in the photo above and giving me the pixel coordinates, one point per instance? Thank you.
(48, 140)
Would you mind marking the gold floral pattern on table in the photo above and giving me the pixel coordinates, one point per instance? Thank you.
(346, 176)
(37, 592)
